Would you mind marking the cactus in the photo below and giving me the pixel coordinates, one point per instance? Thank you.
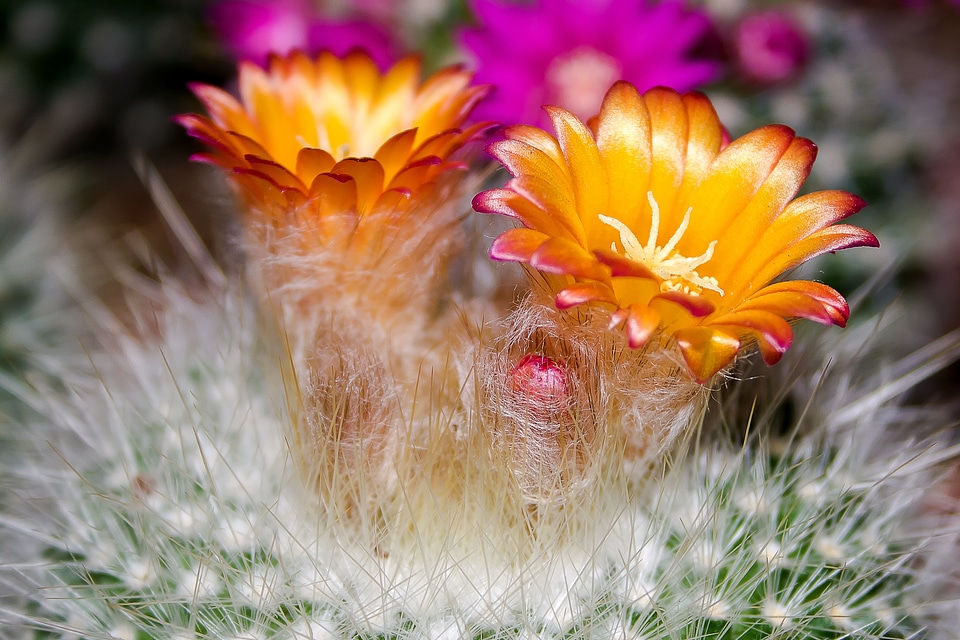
(342, 442)
(163, 502)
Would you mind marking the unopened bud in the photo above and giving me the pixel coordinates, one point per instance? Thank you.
(541, 382)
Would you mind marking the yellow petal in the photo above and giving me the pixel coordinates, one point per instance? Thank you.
(395, 95)
(563, 257)
(517, 245)
(768, 327)
(394, 154)
(539, 139)
(272, 123)
(511, 203)
(586, 169)
(368, 176)
(802, 217)
(707, 350)
(747, 228)
(733, 180)
(640, 324)
(623, 267)
(668, 148)
(416, 175)
(703, 145)
(623, 138)
(312, 162)
(520, 158)
(800, 299)
(582, 293)
(696, 306)
(363, 81)
(441, 98)
(224, 109)
(550, 197)
(835, 238)
(247, 146)
(277, 173)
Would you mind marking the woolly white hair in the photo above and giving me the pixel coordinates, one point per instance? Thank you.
(163, 499)
(194, 478)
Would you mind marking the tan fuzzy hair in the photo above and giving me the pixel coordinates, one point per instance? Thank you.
(385, 270)
(464, 459)
(624, 411)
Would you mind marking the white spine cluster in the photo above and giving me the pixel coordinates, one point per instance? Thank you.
(162, 501)
(188, 476)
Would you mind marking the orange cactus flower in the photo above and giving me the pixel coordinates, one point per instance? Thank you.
(648, 212)
(326, 140)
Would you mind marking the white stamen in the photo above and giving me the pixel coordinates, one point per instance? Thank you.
(678, 272)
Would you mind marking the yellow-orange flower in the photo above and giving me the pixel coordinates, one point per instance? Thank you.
(318, 139)
(648, 212)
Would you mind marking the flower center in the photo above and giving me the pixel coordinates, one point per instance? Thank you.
(578, 80)
(678, 272)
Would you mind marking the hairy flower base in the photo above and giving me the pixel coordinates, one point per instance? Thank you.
(554, 425)
(169, 507)
(386, 277)
(648, 213)
(325, 142)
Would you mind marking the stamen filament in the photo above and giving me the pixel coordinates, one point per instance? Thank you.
(677, 271)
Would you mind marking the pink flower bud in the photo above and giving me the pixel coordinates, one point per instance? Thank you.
(770, 47)
(541, 381)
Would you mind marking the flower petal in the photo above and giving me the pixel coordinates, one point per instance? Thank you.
(802, 217)
(272, 123)
(707, 350)
(558, 200)
(703, 144)
(622, 267)
(835, 238)
(276, 172)
(786, 178)
(226, 112)
(416, 174)
(395, 153)
(538, 139)
(247, 146)
(312, 162)
(697, 306)
(584, 292)
(517, 245)
(668, 148)
(640, 325)
(334, 195)
(801, 299)
(623, 138)
(519, 158)
(368, 176)
(733, 181)
(773, 332)
(512, 204)
(586, 169)
(561, 256)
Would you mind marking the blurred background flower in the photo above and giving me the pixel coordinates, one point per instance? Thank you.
(252, 29)
(770, 47)
(568, 52)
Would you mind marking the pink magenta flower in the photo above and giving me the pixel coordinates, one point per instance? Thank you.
(253, 29)
(925, 4)
(770, 47)
(568, 52)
